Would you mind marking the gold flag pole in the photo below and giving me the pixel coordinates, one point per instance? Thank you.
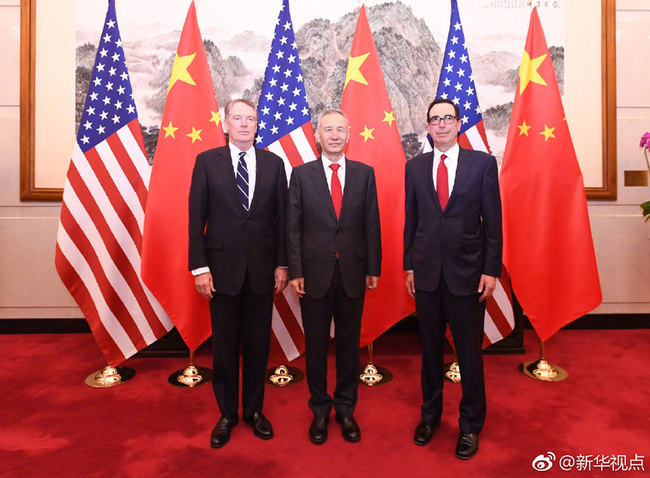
(190, 376)
(451, 370)
(371, 374)
(109, 376)
(542, 369)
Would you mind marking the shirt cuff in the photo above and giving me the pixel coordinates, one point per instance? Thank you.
(200, 270)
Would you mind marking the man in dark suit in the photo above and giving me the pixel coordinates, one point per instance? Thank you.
(334, 253)
(452, 255)
(237, 208)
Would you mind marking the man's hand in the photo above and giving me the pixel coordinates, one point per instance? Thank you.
(281, 279)
(487, 286)
(372, 281)
(410, 284)
(298, 286)
(203, 284)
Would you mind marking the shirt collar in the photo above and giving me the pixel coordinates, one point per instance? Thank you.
(452, 153)
(327, 162)
(235, 150)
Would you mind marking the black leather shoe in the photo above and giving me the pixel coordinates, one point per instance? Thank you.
(424, 432)
(467, 445)
(318, 430)
(221, 432)
(261, 426)
(350, 429)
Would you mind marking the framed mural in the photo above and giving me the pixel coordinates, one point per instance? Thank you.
(56, 63)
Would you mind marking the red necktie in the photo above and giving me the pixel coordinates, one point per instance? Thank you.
(337, 190)
(442, 183)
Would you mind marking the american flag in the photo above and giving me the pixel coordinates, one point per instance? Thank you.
(100, 229)
(284, 127)
(457, 84)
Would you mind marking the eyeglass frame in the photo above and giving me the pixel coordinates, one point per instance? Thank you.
(446, 119)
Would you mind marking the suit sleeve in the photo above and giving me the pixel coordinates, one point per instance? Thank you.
(294, 227)
(372, 227)
(198, 213)
(410, 219)
(281, 215)
(491, 215)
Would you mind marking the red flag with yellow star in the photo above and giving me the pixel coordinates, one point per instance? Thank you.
(190, 124)
(547, 243)
(375, 140)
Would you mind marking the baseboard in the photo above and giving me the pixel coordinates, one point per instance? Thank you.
(44, 326)
(170, 345)
(610, 321)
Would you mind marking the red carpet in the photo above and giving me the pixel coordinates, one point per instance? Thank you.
(53, 425)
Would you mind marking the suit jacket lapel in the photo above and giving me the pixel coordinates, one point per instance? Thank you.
(428, 174)
(260, 176)
(351, 180)
(462, 170)
(320, 184)
(227, 175)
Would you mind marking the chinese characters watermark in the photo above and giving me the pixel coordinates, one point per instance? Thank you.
(580, 462)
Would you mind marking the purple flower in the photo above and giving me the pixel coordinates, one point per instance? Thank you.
(645, 141)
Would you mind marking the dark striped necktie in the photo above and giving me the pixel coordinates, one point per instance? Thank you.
(242, 179)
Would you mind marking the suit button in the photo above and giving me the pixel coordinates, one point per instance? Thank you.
(333, 254)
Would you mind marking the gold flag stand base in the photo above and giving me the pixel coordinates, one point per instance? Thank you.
(373, 375)
(452, 371)
(191, 376)
(542, 370)
(109, 377)
(283, 376)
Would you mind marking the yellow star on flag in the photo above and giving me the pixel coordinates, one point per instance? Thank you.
(547, 133)
(367, 133)
(195, 134)
(170, 130)
(523, 128)
(179, 71)
(528, 71)
(354, 70)
(216, 117)
(388, 118)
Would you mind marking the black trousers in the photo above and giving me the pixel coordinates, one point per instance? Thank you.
(244, 317)
(316, 318)
(465, 316)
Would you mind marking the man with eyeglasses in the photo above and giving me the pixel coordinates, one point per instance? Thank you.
(237, 206)
(452, 255)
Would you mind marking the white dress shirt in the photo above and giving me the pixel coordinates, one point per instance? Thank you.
(451, 161)
(340, 173)
(251, 166)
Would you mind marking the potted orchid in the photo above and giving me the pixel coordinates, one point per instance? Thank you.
(645, 144)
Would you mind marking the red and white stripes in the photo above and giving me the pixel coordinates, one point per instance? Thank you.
(99, 243)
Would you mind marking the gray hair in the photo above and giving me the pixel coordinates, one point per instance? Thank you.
(329, 111)
(230, 104)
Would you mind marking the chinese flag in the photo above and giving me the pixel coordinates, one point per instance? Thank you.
(190, 124)
(547, 244)
(375, 140)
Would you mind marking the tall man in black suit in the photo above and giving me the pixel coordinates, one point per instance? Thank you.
(452, 255)
(237, 209)
(334, 253)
